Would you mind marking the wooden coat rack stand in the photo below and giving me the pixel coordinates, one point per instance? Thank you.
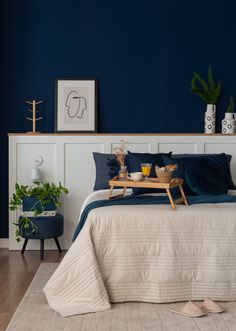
(34, 118)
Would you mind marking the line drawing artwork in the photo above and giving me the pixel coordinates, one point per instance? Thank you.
(75, 105)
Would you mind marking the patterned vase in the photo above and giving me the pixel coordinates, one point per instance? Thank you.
(210, 119)
(229, 123)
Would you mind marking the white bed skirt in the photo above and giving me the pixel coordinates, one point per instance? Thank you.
(150, 254)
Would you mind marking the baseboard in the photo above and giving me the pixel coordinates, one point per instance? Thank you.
(4, 242)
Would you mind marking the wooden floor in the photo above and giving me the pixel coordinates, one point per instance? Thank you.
(16, 273)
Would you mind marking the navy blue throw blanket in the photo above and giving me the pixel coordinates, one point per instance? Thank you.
(148, 200)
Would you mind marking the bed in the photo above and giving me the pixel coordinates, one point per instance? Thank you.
(147, 253)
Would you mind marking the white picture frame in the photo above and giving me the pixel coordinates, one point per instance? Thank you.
(76, 105)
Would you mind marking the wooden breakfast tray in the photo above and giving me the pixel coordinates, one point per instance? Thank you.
(151, 183)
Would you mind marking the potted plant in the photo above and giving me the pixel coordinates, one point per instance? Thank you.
(41, 199)
(229, 122)
(209, 92)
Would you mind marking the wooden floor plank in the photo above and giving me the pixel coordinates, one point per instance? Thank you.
(16, 274)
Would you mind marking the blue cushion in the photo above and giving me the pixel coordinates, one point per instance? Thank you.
(206, 179)
(47, 227)
(107, 167)
(183, 164)
(219, 161)
(134, 161)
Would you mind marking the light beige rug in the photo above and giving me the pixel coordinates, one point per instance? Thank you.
(34, 314)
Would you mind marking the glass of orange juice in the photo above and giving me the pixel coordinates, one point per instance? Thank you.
(146, 169)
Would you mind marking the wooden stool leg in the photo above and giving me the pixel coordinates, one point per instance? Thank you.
(171, 199)
(41, 249)
(183, 195)
(58, 244)
(24, 246)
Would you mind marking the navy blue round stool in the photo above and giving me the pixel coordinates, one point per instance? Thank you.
(47, 228)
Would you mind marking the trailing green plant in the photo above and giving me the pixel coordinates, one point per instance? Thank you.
(230, 108)
(44, 192)
(206, 89)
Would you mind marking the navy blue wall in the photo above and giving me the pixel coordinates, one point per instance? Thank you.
(143, 53)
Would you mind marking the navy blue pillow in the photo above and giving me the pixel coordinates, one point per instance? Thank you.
(183, 164)
(219, 161)
(206, 179)
(134, 161)
(107, 167)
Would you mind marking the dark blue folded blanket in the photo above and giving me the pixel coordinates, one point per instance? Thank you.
(148, 200)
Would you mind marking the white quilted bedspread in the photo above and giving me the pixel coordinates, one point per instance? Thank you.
(147, 253)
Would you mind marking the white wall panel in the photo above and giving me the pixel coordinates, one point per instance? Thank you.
(177, 148)
(138, 147)
(25, 152)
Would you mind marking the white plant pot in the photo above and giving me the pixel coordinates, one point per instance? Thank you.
(229, 123)
(210, 119)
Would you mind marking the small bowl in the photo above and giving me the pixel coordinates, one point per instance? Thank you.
(136, 176)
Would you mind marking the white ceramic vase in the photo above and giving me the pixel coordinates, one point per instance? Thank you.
(210, 119)
(229, 123)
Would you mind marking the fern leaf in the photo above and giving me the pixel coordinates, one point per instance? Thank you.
(230, 108)
(202, 82)
(196, 89)
(211, 82)
(207, 90)
(201, 94)
(215, 94)
(232, 103)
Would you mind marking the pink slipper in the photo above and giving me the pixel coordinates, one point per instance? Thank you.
(211, 307)
(190, 310)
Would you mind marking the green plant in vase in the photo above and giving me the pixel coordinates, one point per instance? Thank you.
(209, 91)
(229, 122)
(35, 200)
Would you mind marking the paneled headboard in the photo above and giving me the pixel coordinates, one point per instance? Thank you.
(68, 159)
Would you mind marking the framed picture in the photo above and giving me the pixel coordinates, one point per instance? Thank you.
(76, 105)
